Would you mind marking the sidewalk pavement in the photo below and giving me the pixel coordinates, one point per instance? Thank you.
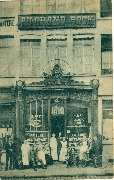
(59, 170)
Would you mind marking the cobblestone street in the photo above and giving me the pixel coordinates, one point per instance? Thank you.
(58, 172)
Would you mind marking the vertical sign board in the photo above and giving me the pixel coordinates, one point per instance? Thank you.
(56, 21)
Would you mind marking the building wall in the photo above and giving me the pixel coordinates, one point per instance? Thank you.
(12, 66)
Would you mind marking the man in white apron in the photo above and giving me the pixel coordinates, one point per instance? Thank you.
(25, 148)
(53, 146)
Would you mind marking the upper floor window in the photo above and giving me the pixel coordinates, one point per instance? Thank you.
(30, 6)
(106, 8)
(30, 64)
(107, 109)
(106, 54)
(57, 53)
(83, 55)
(6, 55)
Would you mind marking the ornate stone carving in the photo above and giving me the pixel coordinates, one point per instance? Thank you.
(57, 77)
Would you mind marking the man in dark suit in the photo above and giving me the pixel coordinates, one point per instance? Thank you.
(9, 155)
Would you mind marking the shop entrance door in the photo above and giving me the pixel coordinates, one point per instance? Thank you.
(58, 125)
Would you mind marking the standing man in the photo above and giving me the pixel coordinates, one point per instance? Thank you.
(53, 146)
(25, 148)
(59, 145)
(0, 155)
(16, 149)
(9, 155)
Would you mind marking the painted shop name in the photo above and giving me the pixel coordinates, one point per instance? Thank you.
(57, 21)
(6, 22)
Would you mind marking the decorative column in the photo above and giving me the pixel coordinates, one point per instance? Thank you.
(65, 111)
(49, 121)
(94, 106)
(19, 125)
(43, 58)
(100, 115)
(70, 50)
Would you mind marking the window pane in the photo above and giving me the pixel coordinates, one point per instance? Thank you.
(105, 60)
(88, 68)
(107, 104)
(89, 60)
(107, 114)
(106, 52)
(106, 8)
(106, 42)
(88, 51)
(78, 69)
(78, 51)
(36, 52)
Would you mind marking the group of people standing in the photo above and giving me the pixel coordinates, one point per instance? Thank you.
(23, 155)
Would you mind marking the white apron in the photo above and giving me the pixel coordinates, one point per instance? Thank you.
(63, 151)
(53, 145)
(25, 153)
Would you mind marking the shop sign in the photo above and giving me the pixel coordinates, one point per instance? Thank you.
(57, 110)
(6, 21)
(56, 21)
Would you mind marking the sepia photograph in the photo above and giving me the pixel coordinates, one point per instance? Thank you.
(56, 90)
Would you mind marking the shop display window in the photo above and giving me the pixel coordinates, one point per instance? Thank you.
(36, 116)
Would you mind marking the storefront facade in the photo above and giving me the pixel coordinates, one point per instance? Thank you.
(58, 75)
